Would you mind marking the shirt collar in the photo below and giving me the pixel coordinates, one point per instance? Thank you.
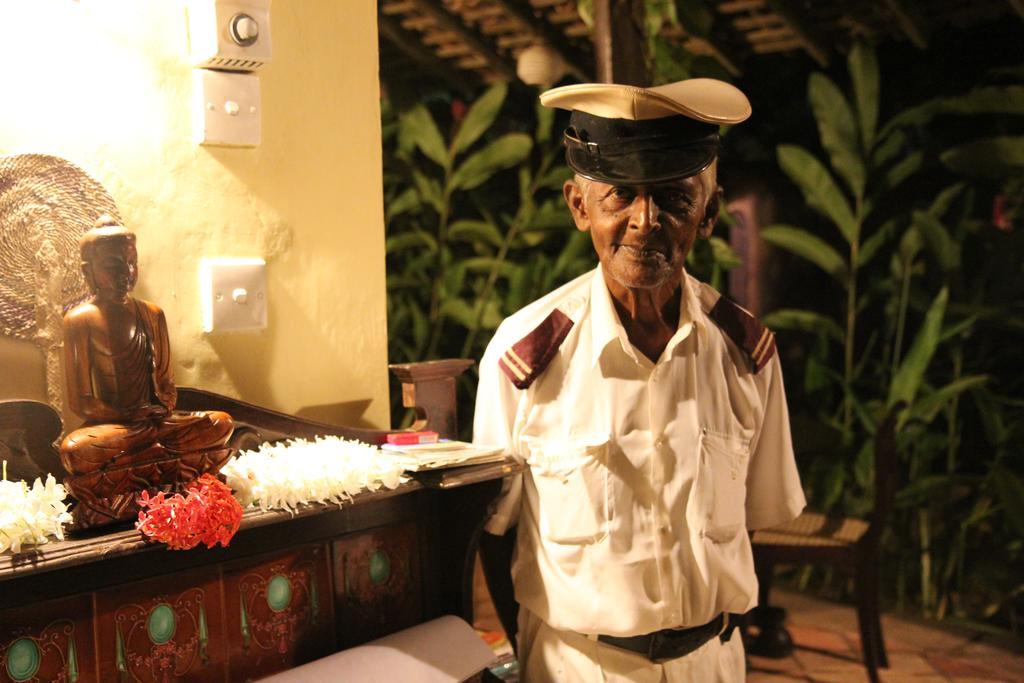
(607, 328)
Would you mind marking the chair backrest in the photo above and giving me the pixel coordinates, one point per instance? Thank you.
(886, 473)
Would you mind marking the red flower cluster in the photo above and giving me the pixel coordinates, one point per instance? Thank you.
(208, 514)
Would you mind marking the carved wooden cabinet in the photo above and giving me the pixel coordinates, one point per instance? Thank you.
(289, 589)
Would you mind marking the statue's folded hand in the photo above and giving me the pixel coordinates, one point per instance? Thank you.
(149, 411)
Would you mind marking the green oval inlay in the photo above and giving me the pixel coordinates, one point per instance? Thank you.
(23, 659)
(161, 623)
(279, 592)
(380, 567)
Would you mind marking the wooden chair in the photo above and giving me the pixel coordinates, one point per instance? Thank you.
(844, 542)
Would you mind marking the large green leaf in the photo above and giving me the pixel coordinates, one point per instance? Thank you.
(460, 311)
(808, 246)
(1010, 490)
(479, 117)
(989, 157)
(983, 100)
(863, 67)
(837, 129)
(901, 170)
(410, 240)
(805, 321)
(871, 245)
(910, 374)
(484, 264)
(556, 177)
(937, 239)
(453, 279)
(887, 149)
(943, 200)
(929, 406)
(864, 465)
(475, 231)
(963, 327)
(429, 190)
(551, 215)
(725, 256)
(420, 326)
(417, 124)
(819, 188)
(505, 152)
(577, 247)
(408, 200)
(832, 484)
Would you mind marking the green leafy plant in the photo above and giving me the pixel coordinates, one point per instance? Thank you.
(918, 271)
(475, 226)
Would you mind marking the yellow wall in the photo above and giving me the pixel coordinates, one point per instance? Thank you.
(106, 84)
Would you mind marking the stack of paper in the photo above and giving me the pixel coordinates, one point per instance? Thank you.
(432, 456)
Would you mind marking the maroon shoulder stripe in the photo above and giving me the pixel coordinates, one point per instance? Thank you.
(746, 331)
(525, 360)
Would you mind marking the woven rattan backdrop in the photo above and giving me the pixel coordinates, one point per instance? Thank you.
(46, 203)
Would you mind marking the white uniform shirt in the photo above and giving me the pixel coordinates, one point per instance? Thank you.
(642, 476)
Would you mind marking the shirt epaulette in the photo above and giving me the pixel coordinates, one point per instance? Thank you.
(524, 361)
(746, 331)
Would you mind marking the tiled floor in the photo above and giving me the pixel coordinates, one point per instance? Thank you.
(828, 647)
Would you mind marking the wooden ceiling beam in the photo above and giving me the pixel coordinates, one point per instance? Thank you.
(801, 29)
(734, 6)
(410, 46)
(573, 58)
(481, 45)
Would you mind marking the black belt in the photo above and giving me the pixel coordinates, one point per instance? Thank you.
(668, 643)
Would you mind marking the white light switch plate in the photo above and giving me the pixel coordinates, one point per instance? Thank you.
(225, 108)
(234, 294)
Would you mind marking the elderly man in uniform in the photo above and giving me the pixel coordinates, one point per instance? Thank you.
(649, 411)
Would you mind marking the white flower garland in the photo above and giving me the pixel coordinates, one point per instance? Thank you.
(329, 469)
(29, 515)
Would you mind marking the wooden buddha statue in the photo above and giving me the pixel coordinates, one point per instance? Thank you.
(118, 368)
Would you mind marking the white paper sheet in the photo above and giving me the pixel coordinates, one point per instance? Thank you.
(445, 650)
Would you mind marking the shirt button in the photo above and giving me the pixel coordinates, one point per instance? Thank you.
(660, 443)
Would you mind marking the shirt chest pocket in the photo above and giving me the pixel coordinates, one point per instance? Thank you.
(724, 462)
(573, 488)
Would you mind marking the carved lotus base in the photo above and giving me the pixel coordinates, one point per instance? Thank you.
(109, 495)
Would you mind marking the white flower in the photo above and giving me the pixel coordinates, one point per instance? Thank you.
(328, 469)
(29, 515)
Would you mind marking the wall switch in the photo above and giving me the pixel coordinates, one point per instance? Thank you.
(225, 108)
(234, 294)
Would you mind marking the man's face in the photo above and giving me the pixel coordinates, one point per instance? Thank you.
(114, 269)
(642, 233)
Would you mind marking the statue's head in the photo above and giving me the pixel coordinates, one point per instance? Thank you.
(110, 262)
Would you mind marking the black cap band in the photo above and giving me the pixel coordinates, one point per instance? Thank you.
(623, 151)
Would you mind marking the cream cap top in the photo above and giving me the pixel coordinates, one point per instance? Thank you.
(703, 99)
